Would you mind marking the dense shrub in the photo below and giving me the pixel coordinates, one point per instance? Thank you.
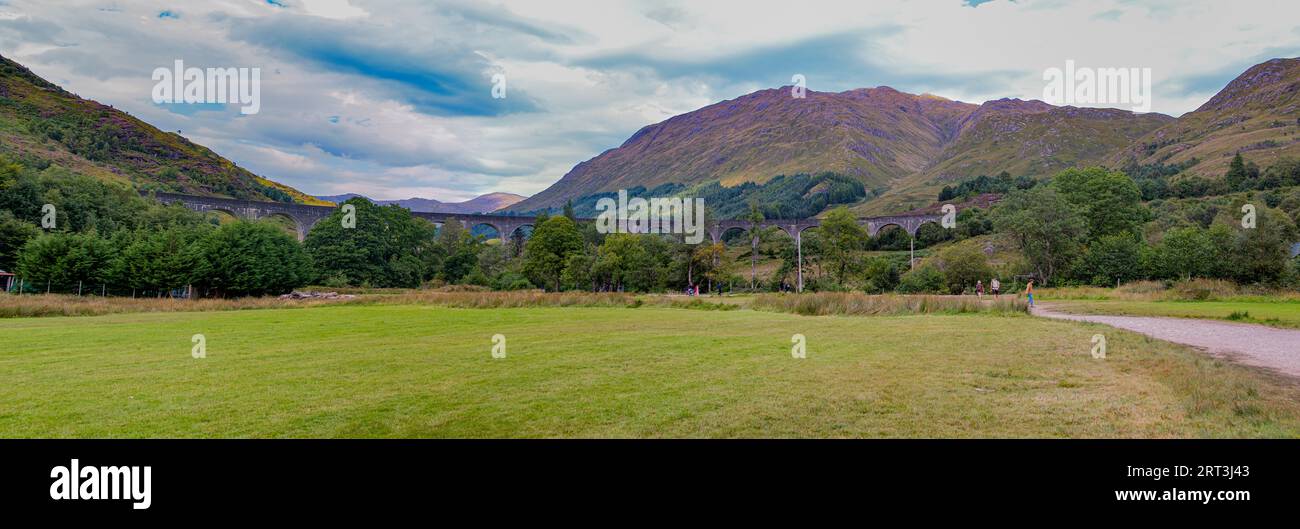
(250, 259)
(923, 279)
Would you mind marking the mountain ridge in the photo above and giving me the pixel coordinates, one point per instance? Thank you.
(890, 140)
(485, 203)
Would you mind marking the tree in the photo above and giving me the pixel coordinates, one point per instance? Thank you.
(755, 218)
(962, 265)
(386, 247)
(548, 250)
(461, 251)
(250, 259)
(1109, 200)
(579, 270)
(843, 239)
(972, 222)
(1185, 253)
(1112, 259)
(926, 278)
(160, 260)
(65, 260)
(1236, 175)
(626, 262)
(882, 275)
(14, 233)
(1259, 254)
(710, 262)
(1049, 230)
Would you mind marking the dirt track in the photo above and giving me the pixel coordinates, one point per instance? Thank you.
(1256, 345)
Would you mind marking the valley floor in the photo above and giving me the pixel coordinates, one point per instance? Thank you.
(428, 371)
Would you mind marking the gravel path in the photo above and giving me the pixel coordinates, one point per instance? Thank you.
(1256, 345)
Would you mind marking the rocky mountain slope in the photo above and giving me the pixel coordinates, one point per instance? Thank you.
(1257, 115)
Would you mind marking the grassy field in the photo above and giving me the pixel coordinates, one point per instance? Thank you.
(1275, 313)
(379, 370)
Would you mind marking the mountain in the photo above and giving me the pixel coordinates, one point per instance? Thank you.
(1029, 138)
(1257, 115)
(42, 124)
(480, 204)
(902, 144)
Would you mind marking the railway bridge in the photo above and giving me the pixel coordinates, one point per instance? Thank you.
(304, 218)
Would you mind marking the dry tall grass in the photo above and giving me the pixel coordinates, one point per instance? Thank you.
(508, 299)
(1189, 290)
(824, 303)
(36, 305)
(27, 306)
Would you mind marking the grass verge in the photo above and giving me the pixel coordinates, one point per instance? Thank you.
(1283, 314)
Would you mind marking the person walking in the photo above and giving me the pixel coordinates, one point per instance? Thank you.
(996, 286)
(979, 288)
(1029, 292)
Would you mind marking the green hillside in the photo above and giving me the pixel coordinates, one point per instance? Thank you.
(42, 124)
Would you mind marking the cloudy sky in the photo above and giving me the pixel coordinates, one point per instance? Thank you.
(394, 99)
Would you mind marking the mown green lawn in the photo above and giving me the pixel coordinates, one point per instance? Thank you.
(423, 371)
(1275, 313)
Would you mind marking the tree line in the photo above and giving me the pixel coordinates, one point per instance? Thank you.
(1081, 226)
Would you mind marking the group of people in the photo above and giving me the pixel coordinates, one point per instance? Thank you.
(996, 287)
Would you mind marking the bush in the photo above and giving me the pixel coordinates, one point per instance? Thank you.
(962, 266)
(921, 280)
(512, 281)
(336, 281)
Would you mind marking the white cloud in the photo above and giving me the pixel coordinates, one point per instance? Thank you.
(595, 71)
(336, 9)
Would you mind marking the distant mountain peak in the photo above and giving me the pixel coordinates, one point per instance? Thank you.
(485, 203)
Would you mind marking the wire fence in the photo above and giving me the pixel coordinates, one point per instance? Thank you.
(22, 286)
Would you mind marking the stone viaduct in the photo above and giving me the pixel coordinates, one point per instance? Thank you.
(305, 217)
(793, 227)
